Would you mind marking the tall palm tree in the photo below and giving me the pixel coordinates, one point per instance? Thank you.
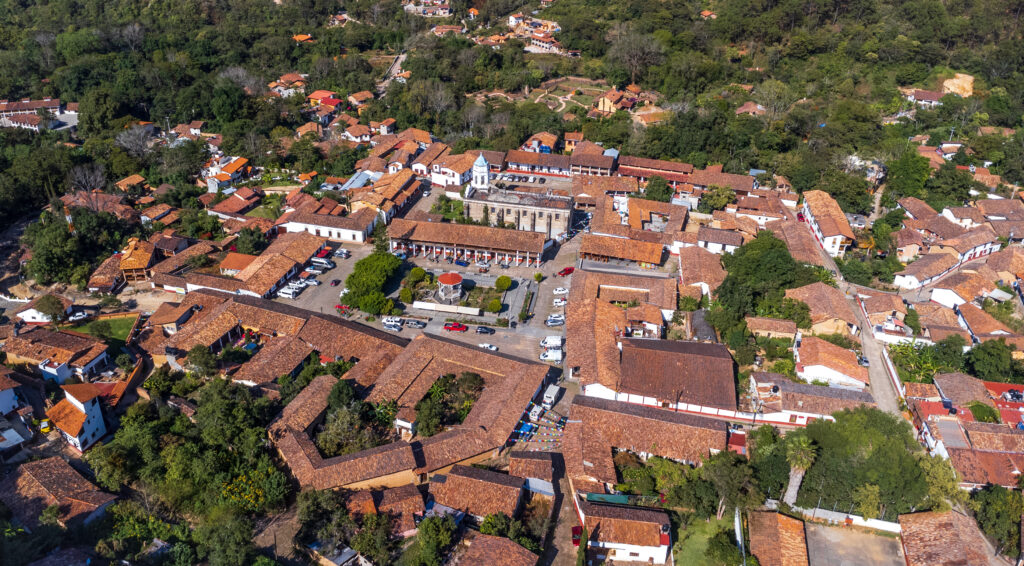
(800, 454)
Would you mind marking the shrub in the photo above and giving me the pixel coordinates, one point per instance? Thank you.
(494, 306)
(416, 275)
(405, 295)
(538, 277)
(503, 283)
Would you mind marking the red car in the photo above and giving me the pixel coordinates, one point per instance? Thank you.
(455, 327)
(566, 271)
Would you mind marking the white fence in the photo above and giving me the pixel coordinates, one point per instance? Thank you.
(454, 309)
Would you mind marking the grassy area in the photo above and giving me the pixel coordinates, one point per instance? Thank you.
(693, 540)
(268, 212)
(119, 327)
(480, 296)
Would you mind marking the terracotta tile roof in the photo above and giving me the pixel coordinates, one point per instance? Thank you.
(926, 391)
(532, 465)
(279, 356)
(815, 351)
(929, 266)
(481, 237)
(346, 340)
(497, 551)
(825, 303)
(830, 218)
(799, 241)
(64, 346)
(619, 524)
(678, 371)
(983, 468)
(971, 239)
(917, 208)
(884, 303)
(138, 254)
(478, 492)
(596, 186)
(5, 379)
(940, 226)
(906, 237)
(101, 202)
(551, 160)
(599, 425)
(806, 398)
(701, 266)
(713, 176)
(943, 539)
(962, 389)
(596, 327)
(622, 248)
(717, 236)
(777, 540)
(34, 486)
(967, 285)
(619, 287)
(107, 275)
(1009, 260)
(236, 261)
(419, 136)
(756, 324)
(1008, 228)
(404, 504)
(67, 417)
(266, 271)
(434, 151)
(967, 213)
(981, 323)
(994, 437)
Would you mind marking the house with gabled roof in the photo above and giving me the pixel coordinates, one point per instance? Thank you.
(830, 312)
(778, 399)
(58, 354)
(948, 538)
(33, 486)
(478, 492)
(776, 539)
(625, 534)
(494, 550)
(828, 222)
(78, 416)
(31, 315)
(819, 360)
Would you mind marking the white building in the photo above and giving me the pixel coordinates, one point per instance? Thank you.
(31, 315)
(718, 241)
(828, 222)
(626, 534)
(452, 171)
(78, 416)
(820, 361)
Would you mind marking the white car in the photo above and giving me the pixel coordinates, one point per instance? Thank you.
(483, 264)
(78, 316)
(560, 302)
(314, 271)
(391, 320)
(561, 291)
(490, 347)
(311, 281)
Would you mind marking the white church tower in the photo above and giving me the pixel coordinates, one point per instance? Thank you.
(481, 173)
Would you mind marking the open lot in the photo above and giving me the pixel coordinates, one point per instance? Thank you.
(837, 546)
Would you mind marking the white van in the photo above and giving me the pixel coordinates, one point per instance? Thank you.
(551, 356)
(396, 320)
(323, 262)
(288, 292)
(550, 396)
(552, 342)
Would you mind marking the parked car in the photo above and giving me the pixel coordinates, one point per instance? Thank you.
(455, 327)
(483, 264)
(392, 320)
(561, 291)
(461, 263)
(312, 281)
(335, 282)
(567, 270)
(78, 316)
(415, 324)
(556, 316)
(393, 327)
(536, 413)
(484, 330)
(532, 179)
(314, 271)
(487, 346)
(560, 302)
(342, 253)
(399, 255)
(554, 322)
(541, 180)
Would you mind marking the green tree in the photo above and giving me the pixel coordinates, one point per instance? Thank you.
(225, 539)
(124, 361)
(250, 241)
(906, 176)
(494, 306)
(800, 454)
(433, 538)
(202, 361)
(538, 277)
(52, 308)
(733, 481)
(581, 550)
(943, 485)
(416, 275)
(867, 500)
(658, 189)
(913, 321)
(380, 239)
(998, 512)
(405, 295)
(991, 360)
(502, 283)
(101, 329)
(717, 198)
(374, 540)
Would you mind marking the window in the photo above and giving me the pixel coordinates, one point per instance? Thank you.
(540, 215)
(557, 217)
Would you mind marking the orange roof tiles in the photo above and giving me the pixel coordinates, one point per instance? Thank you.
(777, 540)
